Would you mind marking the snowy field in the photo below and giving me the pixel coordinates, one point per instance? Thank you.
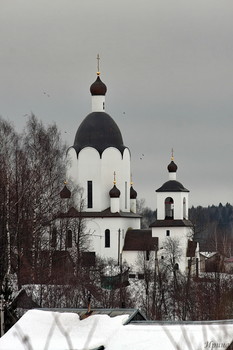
(46, 330)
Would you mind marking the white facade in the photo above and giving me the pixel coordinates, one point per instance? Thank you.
(181, 235)
(117, 229)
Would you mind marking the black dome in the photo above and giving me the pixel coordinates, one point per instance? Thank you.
(172, 167)
(98, 130)
(114, 192)
(172, 186)
(98, 87)
(65, 193)
(133, 193)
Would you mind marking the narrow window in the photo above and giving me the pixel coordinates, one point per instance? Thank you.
(54, 238)
(168, 233)
(184, 209)
(107, 238)
(103, 106)
(89, 194)
(69, 239)
(197, 267)
(126, 194)
(147, 255)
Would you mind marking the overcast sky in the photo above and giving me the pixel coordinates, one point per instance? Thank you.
(168, 66)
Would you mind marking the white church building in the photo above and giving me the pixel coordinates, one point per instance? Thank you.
(99, 163)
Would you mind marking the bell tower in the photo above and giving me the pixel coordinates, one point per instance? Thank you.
(172, 222)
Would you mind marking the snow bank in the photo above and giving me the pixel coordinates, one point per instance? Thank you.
(46, 330)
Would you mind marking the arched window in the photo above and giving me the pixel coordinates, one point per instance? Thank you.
(184, 208)
(69, 239)
(169, 208)
(54, 238)
(107, 238)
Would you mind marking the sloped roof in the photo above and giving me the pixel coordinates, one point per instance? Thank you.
(172, 223)
(22, 300)
(72, 213)
(172, 186)
(140, 240)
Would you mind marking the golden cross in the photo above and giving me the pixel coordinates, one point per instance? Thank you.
(131, 179)
(114, 176)
(172, 157)
(98, 63)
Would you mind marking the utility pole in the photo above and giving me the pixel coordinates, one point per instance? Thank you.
(2, 314)
(119, 248)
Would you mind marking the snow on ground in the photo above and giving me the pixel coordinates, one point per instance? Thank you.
(46, 330)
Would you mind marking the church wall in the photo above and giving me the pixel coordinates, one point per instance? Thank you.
(98, 226)
(89, 170)
(98, 103)
(90, 167)
(181, 234)
(95, 228)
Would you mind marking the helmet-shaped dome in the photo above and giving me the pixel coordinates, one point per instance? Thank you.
(98, 87)
(98, 130)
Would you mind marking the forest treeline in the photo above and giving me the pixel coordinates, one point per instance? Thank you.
(213, 225)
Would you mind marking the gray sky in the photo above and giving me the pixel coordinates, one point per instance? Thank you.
(168, 68)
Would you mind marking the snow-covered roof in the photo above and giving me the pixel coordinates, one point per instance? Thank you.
(172, 337)
(39, 330)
